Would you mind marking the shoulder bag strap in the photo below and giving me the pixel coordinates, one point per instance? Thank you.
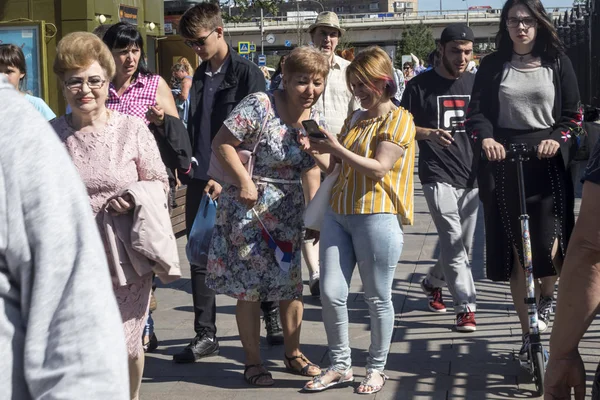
(264, 124)
(354, 119)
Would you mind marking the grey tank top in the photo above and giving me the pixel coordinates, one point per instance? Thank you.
(526, 98)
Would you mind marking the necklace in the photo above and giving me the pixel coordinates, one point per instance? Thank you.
(521, 56)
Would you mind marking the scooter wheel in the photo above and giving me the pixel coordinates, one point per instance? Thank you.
(539, 369)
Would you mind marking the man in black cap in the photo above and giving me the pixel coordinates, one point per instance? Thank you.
(438, 100)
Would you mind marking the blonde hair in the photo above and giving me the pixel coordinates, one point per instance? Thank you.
(186, 64)
(265, 72)
(79, 50)
(306, 60)
(372, 65)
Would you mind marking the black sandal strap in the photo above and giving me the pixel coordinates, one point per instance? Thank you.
(254, 378)
(247, 367)
(304, 370)
(292, 358)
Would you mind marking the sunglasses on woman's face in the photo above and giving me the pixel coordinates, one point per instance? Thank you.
(200, 41)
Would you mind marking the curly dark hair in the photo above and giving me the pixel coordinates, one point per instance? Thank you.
(547, 43)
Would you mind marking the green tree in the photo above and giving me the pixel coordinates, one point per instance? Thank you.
(245, 9)
(416, 39)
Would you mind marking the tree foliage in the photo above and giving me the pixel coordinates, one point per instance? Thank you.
(246, 9)
(416, 39)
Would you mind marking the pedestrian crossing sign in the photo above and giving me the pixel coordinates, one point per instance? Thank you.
(253, 48)
(244, 47)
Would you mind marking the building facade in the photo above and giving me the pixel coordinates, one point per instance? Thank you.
(40, 24)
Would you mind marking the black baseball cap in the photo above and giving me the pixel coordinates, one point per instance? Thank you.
(457, 32)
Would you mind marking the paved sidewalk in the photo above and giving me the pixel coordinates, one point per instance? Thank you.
(428, 359)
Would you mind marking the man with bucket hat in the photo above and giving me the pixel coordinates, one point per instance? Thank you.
(336, 103)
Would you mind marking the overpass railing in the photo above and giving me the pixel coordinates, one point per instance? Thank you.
(422, 16)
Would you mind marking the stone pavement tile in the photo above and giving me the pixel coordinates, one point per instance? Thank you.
(427, 360)
(413, 387)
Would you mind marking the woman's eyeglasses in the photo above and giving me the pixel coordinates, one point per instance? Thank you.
(93, 82)
(515, 22)
(200, 41)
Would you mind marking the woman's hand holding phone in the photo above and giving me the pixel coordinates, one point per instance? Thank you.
(321, 141)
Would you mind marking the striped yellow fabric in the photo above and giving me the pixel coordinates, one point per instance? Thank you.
(355, 193)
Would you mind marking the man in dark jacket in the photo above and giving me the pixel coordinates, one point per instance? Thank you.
(219, 84)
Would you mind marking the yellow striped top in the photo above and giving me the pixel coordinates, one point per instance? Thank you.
(355, 193)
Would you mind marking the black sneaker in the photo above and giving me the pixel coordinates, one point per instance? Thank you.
(151, 345)
(544, 310)
(274, 330)
(203, 345)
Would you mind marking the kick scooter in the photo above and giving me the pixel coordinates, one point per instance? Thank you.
(538, 356)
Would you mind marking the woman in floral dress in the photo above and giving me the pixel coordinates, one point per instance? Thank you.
(255, 250)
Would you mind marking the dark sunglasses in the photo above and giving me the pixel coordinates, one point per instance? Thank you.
(527, 22)
(200, 41)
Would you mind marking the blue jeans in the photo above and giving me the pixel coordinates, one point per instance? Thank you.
(374, 242)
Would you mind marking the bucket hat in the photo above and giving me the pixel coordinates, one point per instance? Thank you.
(328, 19)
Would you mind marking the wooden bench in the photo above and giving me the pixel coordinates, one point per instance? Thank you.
(178, 213)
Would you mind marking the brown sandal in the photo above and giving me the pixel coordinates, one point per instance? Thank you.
(253, 379)
(301, 370)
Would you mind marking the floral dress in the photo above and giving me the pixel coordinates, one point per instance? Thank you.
(242, 261)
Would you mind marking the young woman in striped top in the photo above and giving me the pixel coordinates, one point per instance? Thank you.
(376, 150)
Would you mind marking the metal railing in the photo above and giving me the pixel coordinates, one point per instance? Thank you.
(383, 17)
(579, 29)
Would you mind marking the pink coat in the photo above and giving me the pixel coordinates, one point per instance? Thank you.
(142, 241)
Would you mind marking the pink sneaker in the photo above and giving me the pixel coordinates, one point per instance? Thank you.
(465, 322)
(436, 303)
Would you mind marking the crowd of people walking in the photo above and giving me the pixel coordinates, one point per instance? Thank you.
(129, 139)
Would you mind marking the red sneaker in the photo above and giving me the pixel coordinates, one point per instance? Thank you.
(436, 304)
(465, 322)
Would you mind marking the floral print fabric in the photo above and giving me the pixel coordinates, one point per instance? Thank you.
(240, 262)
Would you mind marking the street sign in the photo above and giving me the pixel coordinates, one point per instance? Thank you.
(246, 56)
(252, 48)
(288, 43)
(262, 61)
(244, 47)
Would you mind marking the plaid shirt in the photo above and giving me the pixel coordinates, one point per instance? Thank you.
(137, 97)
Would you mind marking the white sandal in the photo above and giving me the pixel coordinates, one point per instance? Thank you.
(366, 382)
(318, 385)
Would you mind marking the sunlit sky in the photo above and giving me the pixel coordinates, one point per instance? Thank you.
(434, 5)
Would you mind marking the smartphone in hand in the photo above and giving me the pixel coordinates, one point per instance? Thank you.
(313, 130)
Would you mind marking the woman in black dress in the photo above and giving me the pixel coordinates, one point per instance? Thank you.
(526, 92)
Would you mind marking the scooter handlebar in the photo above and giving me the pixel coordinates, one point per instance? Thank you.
(517, 150)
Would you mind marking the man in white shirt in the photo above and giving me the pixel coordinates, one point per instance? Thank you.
(336, 103)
